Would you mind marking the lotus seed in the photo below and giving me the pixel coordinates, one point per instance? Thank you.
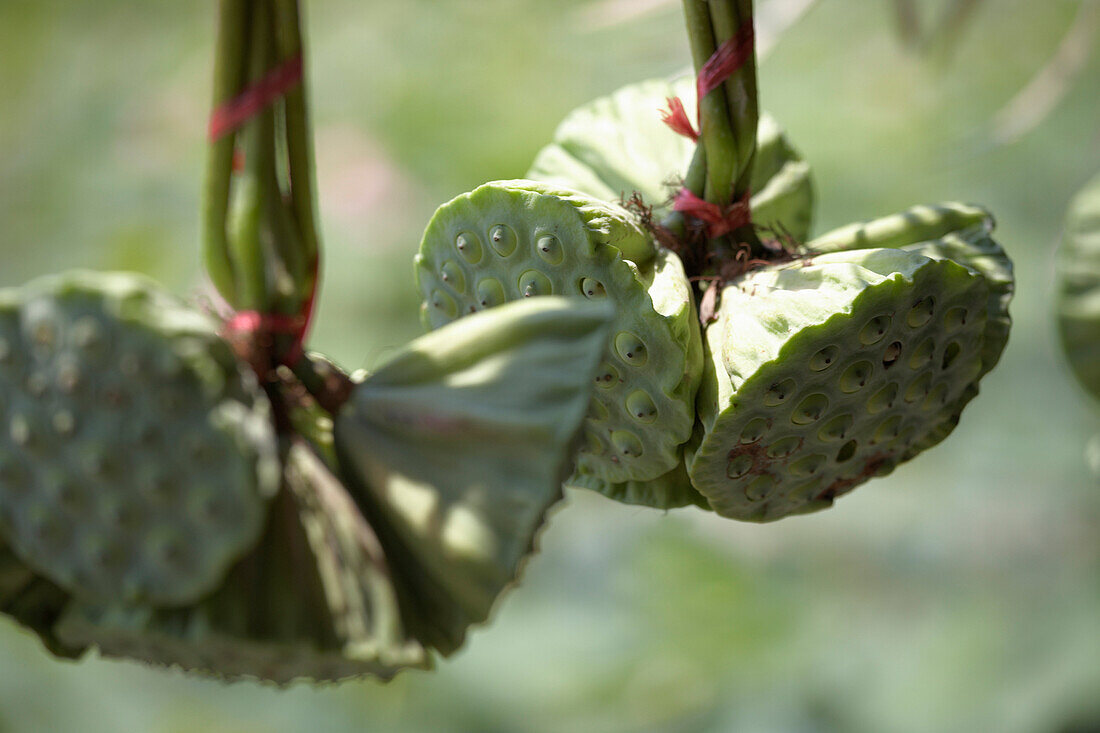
(533, 283)
(490, 293)
(607, 376)
(453, 275)
(883, 399)
(503, 239)
(891, 355)
(20, 431)
(951, 353)
(955, 318)
(631, 349)
(591, 288)
(754, 430)
(549, 249)
(936, 398)
(626, 443)
(855, 377)
(922, 355)
(836, 429)
(64, 422)
(889, 429)
(785, 447)
(469, 246)
(810, 409)
(875, 329)
(846, 451)
(641, 407)
(87, 334)
(778, 393)
(824, 359)
(808, 465)
(738, 466)
(759, 488)
(918, 388)
(921, 312)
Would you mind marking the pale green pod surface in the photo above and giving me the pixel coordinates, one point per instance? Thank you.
(958, 232)
(137, 455)
(33, 602)
(459, 445)
(1079, 287)
(512, 239)
(916, 224)
(616, 145)
(827, 372)
(314, 602)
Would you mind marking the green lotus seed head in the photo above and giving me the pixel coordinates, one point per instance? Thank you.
(337, 617)
(618, 145)
(827, 372)
(117, 392)
(566, 243)
(457, 448)
(1079, 287)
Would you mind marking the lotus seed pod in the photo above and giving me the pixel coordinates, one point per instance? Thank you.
(33, 602)
(314, 601)
(617, 145)
(1079, 288)
(458, 447)
(136, 456)
(827, 372)
(570, 244)
(950, 231)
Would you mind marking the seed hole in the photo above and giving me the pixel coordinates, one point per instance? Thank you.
(892, 354)
(846, 451)
(951, 353)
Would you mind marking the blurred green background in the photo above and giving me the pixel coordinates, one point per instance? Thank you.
(960, 594)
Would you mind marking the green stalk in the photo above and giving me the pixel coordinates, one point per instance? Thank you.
(729, 17)
(246, 247)
(288, 40)
(716, 133)
(229, 72)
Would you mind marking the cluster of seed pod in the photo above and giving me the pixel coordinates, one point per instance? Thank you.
(1079, 287)
(817, 374)
(159, 503)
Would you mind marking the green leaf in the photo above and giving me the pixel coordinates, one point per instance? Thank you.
(459, 446)
(616, 145)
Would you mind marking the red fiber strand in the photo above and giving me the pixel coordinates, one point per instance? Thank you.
(729, 57)
(719, 220)
(251, 322)
(676, 118)
(238, 110)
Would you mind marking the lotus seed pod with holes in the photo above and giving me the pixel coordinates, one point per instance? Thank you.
(137, 455)
(617, 145)
(512, 239)
(1079, 287)
(33, 602)
(314, 602)
(824, 373)
(458, 447)
(961, 233)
